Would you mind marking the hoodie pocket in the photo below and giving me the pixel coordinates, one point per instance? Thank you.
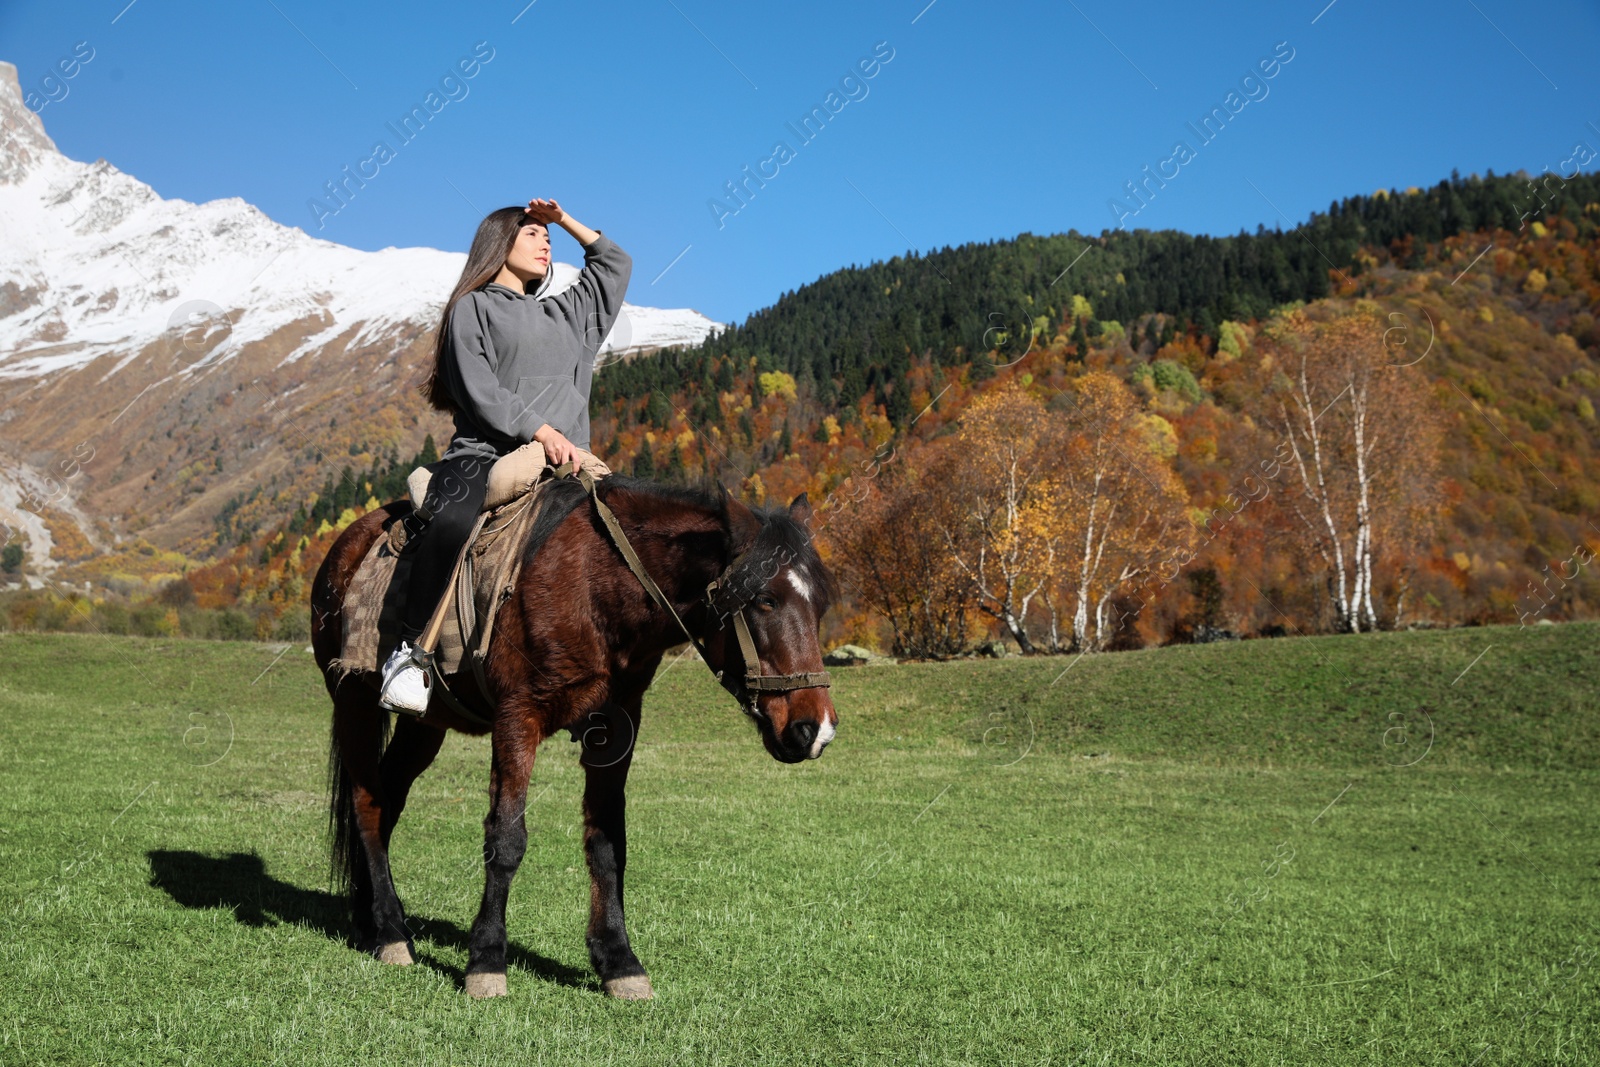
(557, 398)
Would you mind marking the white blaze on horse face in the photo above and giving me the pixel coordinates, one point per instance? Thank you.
(824, 735)
(799, 583)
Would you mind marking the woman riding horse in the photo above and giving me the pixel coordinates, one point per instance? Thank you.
(514, 364)
(615, 573)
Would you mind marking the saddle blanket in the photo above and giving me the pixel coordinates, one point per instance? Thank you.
(485, 575)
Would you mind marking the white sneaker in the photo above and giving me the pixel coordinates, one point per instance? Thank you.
(406, 686)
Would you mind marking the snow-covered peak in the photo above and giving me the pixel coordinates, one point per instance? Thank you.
(21, 129)
(95, 262)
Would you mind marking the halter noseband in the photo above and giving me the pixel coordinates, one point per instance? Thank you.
(718, 599)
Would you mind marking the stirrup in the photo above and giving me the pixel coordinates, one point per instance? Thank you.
(403, 701)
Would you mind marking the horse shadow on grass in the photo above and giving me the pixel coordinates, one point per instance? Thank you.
(239, 881)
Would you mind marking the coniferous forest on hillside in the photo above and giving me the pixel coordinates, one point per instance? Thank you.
(1382, 418)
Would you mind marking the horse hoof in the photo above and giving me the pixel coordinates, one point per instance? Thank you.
(397, 953)
(481, 985)
(633, 987)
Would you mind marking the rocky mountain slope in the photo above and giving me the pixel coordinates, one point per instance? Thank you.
(160, 358)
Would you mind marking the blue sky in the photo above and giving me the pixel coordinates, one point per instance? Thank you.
(989, 119)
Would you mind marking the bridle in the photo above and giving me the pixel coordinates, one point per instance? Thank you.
(720, 599)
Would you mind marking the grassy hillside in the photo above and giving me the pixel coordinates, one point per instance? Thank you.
(1190, 855)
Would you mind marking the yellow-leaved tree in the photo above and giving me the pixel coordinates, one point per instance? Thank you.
(1005, 530)
(1121, 504)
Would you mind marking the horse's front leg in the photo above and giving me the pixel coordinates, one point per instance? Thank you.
(608, 740)
(505, 839)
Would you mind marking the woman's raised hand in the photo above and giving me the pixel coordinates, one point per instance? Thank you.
(544, 211)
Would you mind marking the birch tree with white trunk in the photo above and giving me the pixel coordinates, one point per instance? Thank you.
(1363, 439)
(1005, 534)
(1123, 506)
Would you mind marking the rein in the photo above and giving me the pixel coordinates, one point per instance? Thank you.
(716, 598)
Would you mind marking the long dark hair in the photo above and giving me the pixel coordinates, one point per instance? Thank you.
(490, 246)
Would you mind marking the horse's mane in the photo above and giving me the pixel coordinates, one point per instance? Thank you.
(784, 538)
(780, 535)
(563, 496)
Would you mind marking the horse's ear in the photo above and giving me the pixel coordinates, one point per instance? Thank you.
(800, 510)
(743, 524)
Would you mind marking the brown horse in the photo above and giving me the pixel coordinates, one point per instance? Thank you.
(574, 648)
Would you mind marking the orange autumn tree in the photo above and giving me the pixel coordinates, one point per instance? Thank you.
(1364, 437)
(1005, 529)
(883, 544)
(1121, 506)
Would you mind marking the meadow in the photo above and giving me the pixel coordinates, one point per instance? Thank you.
(1335, 850)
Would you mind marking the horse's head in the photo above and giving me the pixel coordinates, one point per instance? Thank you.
(783, 589)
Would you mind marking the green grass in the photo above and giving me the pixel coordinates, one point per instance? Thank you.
(1203, 855)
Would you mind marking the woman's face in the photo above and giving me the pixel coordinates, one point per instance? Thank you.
(530, 252)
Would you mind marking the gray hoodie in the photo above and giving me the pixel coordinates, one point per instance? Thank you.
(514, 361)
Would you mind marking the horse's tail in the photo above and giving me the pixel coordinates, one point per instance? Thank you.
(346, 854)
(344, 840)
(353, 704)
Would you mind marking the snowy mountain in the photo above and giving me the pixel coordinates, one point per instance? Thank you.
(94, 259)
(137, 333)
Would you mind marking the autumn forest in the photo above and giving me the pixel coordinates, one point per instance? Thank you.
(1384, 418)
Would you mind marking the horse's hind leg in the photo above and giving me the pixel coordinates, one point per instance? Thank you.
(607, 753)
(369, 791)
(411, 751)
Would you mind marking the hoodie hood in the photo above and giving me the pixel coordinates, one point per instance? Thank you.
(550, 285)
(549, 276)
